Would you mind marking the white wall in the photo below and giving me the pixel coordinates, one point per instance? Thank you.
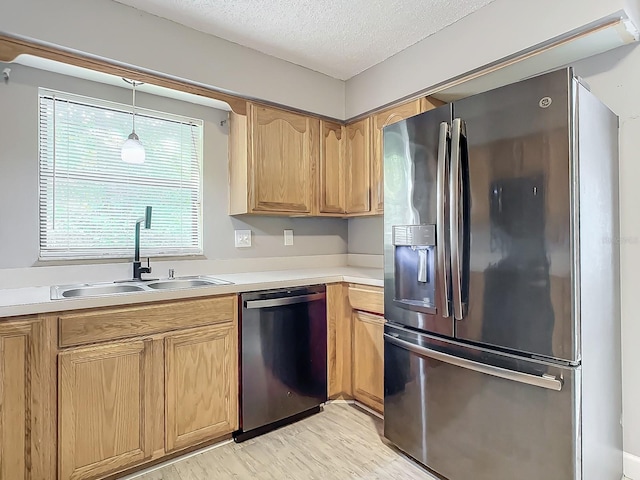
(366, 235)
(114, 31)
(500, 29)
(19, 178)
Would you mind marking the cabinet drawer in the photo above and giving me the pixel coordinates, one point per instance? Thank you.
(99, 325)
(367, 298)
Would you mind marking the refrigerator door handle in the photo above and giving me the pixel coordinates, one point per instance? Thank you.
(544, 381)
(443, 264)
(454, 216)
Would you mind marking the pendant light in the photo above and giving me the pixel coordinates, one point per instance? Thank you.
(132, 149)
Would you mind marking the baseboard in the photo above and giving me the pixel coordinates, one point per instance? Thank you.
(360, 406)
(369, 410)
(171, 461)
(343, 401)
(631, 466)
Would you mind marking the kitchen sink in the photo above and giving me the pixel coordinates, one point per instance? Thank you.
(185, 282)
(95, 290)
(59, 292)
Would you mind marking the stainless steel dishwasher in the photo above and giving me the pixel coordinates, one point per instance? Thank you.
(283, 357)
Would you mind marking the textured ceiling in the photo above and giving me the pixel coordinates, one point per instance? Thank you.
(340, 38)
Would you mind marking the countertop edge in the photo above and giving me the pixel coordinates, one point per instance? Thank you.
(40, 303)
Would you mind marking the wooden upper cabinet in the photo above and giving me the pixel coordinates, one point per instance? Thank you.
(332, 167)
(273, 157)
(282, 145)
(378, 122)
(368, 359)
(26, 439)
(201, 370)
(105, 408)
(358, 166)
(286, 163)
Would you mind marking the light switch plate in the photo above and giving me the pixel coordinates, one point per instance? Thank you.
(288, 237)
(243, 238)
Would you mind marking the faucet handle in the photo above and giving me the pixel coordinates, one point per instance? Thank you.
(146, 269)
(171, 273)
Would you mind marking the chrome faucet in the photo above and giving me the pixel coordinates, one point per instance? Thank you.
(138, 270)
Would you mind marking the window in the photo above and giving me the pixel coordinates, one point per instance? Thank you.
(90, 199)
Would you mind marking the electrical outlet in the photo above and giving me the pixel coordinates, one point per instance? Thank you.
(288, 237)
(243, 238)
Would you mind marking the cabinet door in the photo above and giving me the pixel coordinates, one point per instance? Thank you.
(339, 342)
(105, 409)
(332, 169)
(379, 121)
(25, 436)
(201, 373)
(368, 359)
(283, 149)
(358, 158)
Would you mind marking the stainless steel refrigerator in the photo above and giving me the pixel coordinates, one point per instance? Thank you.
(502, 343)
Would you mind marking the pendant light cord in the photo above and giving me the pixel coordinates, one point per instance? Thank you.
(132, 150)
(134, 106)
(134, 84)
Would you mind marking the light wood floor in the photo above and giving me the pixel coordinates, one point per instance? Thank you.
(340, 443)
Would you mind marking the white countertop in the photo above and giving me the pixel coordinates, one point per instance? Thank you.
(32, 300)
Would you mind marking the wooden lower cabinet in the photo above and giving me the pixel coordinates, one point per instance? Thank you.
(123, 403)
(105, 408)
(368, 359)
(367, 298)
(339, 339)
(201, 385)
(355, 343)
(26, 427)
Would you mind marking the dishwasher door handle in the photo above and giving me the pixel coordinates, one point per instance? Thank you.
(277, 302)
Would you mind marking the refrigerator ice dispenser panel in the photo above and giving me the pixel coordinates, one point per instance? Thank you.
(415, 258)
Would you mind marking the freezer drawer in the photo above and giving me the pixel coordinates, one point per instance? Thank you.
(478, 418)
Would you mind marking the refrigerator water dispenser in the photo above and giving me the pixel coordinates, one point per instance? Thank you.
(415, 262)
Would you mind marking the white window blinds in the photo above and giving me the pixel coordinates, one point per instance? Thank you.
(90, 199)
